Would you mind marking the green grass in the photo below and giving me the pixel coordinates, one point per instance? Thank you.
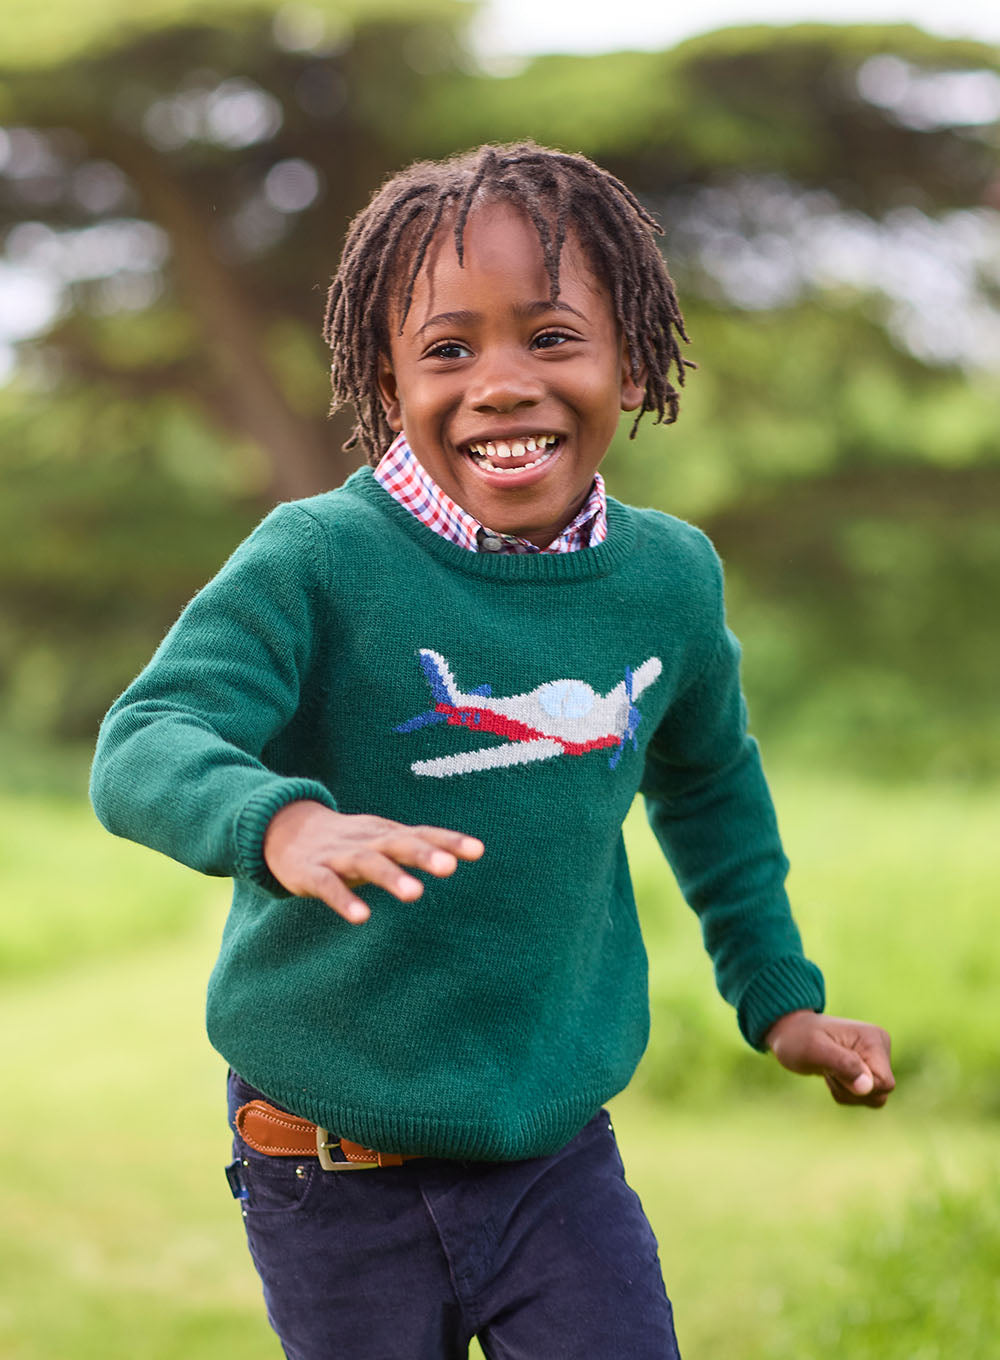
(114, 1206)
(73, 894)
(924, 1285)
(893, 890)
(790, 1228)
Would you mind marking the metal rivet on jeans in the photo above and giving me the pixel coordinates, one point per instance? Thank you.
(300, 1171)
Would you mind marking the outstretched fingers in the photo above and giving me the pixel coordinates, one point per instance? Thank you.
(316, 852)
(330, 888)
(431, 848)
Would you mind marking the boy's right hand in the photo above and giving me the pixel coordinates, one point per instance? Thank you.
(315, 852)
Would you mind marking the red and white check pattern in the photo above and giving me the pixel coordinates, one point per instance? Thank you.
(406, 481)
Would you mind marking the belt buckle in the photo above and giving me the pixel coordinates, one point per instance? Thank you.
(323, 1146)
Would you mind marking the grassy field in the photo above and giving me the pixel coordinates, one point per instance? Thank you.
(790, 1229)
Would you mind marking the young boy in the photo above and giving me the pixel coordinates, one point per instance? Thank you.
(466, 663)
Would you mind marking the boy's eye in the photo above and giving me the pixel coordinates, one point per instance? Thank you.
(448, 349)
(550, 339)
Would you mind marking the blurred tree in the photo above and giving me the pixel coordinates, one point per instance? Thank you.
(188, 181)
(174, 185)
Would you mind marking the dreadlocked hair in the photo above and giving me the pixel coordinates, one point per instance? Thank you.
(388, 240)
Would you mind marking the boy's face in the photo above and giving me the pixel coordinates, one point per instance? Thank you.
(486, 364)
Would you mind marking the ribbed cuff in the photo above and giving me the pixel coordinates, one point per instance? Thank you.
(787, 984)
(253, 819)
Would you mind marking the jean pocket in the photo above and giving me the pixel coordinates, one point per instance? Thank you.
(275, 1184)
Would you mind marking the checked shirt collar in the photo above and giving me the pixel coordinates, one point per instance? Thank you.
(399, 473)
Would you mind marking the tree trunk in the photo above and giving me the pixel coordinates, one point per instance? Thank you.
(301, 460)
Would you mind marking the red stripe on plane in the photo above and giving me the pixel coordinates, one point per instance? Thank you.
(485, 720)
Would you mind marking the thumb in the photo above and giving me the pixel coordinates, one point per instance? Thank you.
(863, 1083)
(848, 1068)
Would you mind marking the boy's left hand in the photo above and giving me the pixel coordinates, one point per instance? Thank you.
(853, 1057)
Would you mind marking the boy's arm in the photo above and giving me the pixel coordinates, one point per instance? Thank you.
(710, 808)
(179, 761)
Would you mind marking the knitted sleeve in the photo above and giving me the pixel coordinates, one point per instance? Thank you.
(179, 762)
(710, 808)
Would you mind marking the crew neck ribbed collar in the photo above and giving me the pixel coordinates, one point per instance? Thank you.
(581, 565)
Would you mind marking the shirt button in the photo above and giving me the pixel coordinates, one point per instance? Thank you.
(491, 543)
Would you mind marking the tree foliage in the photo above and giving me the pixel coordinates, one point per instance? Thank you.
(179, 179)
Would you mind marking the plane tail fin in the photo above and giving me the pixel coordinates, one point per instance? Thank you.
(442, 686)
(438, 675)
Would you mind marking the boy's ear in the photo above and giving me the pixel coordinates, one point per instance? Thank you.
(389, 395)
(633, 388)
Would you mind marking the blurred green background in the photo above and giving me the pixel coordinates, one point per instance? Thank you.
(174, 185)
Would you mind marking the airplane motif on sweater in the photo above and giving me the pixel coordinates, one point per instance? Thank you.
(560, 717)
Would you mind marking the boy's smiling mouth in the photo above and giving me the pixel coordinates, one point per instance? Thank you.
(513, 455)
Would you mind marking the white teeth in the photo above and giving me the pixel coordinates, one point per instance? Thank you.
(523, 467)
(490, 452)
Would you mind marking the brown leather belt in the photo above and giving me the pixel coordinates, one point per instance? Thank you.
(279, 1134)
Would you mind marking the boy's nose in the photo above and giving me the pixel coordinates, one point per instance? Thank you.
(504, 384)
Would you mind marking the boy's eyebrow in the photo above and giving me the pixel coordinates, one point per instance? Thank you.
(524, 309)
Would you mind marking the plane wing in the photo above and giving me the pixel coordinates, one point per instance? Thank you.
(644, 675)
(489, 758)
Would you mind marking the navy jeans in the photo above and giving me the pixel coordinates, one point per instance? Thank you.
(540, 1259)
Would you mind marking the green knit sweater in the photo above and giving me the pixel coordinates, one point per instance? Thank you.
(348, 654)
